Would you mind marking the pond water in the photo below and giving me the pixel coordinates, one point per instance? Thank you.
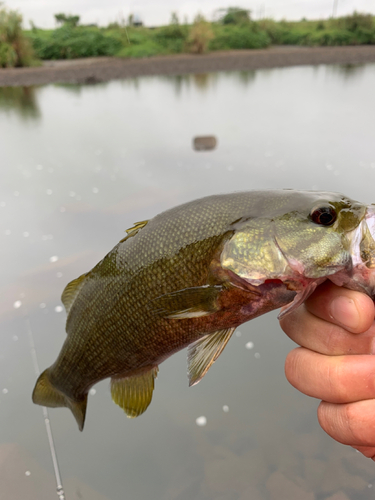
(79, 165)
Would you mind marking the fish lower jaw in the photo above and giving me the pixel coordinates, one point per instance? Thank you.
(361, 279)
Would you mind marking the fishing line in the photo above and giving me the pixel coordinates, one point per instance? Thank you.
(59, 485)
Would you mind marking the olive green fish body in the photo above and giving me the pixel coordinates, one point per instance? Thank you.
(189, 277)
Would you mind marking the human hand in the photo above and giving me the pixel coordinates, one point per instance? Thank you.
(336, 331)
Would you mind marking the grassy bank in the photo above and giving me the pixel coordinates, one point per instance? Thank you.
(233, 30)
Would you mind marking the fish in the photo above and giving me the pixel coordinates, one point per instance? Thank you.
(188, 277)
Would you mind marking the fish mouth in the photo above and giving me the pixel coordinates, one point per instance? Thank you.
(362, 250)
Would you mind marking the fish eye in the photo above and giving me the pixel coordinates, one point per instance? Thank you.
(324, 216)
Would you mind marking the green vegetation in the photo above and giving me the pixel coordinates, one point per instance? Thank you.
(15, 48)
(233, 29)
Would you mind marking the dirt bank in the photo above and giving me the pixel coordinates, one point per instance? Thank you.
(101, 69)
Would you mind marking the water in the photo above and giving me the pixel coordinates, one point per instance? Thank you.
(79, 165)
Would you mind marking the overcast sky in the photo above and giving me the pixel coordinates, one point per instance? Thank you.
(157, 12)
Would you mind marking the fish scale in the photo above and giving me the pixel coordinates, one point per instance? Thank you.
(189, 277)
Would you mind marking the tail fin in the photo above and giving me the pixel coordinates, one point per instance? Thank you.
(45, 394)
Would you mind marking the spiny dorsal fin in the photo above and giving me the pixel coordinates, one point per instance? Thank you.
(204, 352)
(134, 394)
(134, 230)
(188, 303)
(71, 291)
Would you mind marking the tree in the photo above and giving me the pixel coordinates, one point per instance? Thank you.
(235, 15)
(174, 18)
(67, 19)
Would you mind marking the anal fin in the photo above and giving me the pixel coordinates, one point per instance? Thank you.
(134, 394)
(204, 352)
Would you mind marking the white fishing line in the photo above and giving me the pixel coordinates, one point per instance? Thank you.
(59, 485)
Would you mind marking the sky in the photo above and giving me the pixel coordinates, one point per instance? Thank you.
(157, 12)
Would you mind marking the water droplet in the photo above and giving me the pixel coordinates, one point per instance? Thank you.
(72, 194)
(2, 204)
(238, 333)
(17, 304)
(42, 305)
(372, 164)
(16, 193)
(39, 167)
(58, 309)
(54, 258)
(257, 355)
(59, 275)
(62, 209)
(369, 485)
(49, 191)
(15, 338)
(230, 168)
(5, 391)
(92, 392)
(329, 166)
(98, 152)
(27, 473)
(26, 234)
(7, 232)
(225, 409)
(201, 421)
(95, 190)
(249, 345)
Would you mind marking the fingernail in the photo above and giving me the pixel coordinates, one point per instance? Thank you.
(345, 312)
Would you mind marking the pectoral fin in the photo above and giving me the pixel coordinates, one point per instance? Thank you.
(188, 303)
(204, 352)
(134, 394)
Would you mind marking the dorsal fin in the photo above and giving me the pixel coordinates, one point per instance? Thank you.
(134, 230)
(134, 394)
(71, 291)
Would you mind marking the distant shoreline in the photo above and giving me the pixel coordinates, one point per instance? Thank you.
(102, 69)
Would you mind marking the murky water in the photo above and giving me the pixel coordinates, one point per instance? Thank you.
(80, 164)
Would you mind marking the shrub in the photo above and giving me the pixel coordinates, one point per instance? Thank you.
(70, 42)
(355, 21)
(15, 48)
(331, 37)
(200, 35)
(173, 37)
(239, 37)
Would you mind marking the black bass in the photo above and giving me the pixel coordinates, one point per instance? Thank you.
(190, 276)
